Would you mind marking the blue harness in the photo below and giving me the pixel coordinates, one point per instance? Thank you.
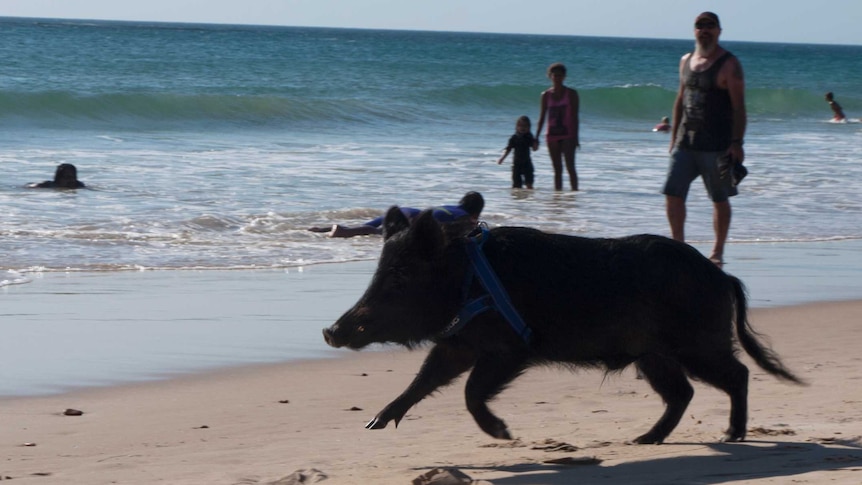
(495, 297)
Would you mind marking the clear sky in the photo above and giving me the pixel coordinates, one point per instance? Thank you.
(805, 21)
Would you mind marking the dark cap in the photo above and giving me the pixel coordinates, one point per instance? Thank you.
(710, 16)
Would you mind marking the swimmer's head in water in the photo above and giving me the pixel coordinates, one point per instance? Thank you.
(472, 203)
(66, 176)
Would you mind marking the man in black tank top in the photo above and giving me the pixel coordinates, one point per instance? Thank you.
(707, 132)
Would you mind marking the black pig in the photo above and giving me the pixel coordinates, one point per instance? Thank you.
(603, 303)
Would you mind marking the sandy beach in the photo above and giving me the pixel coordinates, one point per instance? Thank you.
(257, 423)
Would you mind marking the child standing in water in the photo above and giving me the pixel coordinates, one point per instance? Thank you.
(521, 142)
(560, 104)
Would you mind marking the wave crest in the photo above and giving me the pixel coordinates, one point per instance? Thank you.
(158, 109)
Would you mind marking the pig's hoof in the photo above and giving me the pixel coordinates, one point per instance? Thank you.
(376, 424)
(499, 431)
(648, 439)
(731, 436)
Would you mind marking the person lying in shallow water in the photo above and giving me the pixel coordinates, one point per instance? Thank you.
(66, 177)
(468, 209)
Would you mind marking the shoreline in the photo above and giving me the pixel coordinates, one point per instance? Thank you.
(258, 424)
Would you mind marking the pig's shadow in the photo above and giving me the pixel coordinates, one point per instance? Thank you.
(738, 461)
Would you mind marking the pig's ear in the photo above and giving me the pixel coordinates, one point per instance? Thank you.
(426, 235)
(394, 222)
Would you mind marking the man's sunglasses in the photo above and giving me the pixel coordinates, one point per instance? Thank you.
(705, 25)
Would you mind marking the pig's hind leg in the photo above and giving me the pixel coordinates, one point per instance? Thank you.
(721, 369)
(491, 374)
(667, 378)
(444, 363)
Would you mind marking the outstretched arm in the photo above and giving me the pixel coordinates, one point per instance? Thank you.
(505, 154)
(343, 231)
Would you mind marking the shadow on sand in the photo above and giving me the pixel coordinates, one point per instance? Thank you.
(737, 461)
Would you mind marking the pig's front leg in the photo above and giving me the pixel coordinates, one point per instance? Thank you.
(491, 374)
(445, 362)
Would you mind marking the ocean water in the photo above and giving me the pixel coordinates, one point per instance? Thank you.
(215, 147)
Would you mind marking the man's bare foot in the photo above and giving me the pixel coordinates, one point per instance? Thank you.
(717, 260)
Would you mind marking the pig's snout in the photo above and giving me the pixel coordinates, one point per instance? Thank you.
(349, 330)
(329, 337)
(344, 335)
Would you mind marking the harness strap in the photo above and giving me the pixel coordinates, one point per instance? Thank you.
(496, 298)
(470, 310)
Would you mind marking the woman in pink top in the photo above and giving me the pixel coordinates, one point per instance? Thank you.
(560, 104)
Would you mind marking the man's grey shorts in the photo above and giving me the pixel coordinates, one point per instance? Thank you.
(686, 165)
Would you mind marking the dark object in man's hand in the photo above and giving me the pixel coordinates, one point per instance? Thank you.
(739, 173)
(727, 165)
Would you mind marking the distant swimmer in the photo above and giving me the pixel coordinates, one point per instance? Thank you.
(663, 126)
(65, 177)
(469, 209)
(837, 112)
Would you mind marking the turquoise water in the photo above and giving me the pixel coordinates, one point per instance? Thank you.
(216, 146)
